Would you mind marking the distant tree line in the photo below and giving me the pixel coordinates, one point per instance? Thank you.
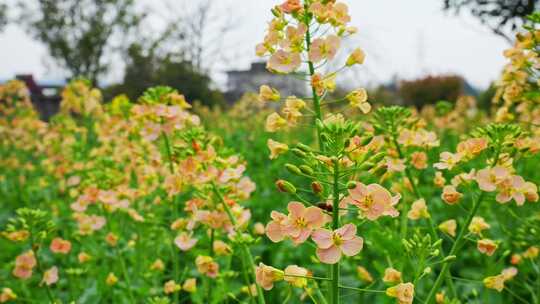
(87, 37)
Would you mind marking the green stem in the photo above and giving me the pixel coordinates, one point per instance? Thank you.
(335, 225)
(126, 276)
(176, 265)
(432, 229)
(319, 293)
(246, 254)
(362, 289)
(40, 268)
(311, 67)
(168, 150)
(455, 248)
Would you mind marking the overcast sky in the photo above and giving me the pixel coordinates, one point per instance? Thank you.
(404, 38)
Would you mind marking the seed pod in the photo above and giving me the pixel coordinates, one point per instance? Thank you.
(285, 186)
(293, 169)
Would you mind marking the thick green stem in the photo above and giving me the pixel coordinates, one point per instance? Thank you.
(311, 67)
(455, 248)
(316, 101)
(335, 225)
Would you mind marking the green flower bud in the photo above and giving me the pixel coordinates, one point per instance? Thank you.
(377, 157)
(366, 140)
(303, 147)
(299, 153)
(449, 258)
(306, 170)
(366, 166)
(293, 169)
(351, 185)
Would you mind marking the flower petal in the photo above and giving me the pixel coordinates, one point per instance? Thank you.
(353, 246)
(330, 255)
(296, 209)
(323, 238)
(347, 232)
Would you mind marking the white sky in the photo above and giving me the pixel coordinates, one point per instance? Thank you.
(408, 38)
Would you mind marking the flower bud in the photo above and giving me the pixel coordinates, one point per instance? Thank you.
(316, 187)
(357, 57)
(379, 171)
(306, 170)
(366, 140)
(285, 186)
(408, 246)
(325, 138)
(351, 185)
(366, 166)
(303, 147)
(449, 258)
(293, 169)
(299, 153)
(377, 157)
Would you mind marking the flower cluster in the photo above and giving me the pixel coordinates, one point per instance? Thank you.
(143, 177)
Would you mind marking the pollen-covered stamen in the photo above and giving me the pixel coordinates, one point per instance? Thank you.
(301, 222)
(337, 239)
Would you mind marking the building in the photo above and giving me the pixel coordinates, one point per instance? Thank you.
(241, 82)
(45, 96)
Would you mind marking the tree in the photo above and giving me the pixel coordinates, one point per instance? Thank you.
(198, 33)
(3, 15)
(79, 33)
(430, 90)
(503, 17)
(145, 69)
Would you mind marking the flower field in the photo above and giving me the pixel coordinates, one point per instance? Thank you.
(278, 199)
